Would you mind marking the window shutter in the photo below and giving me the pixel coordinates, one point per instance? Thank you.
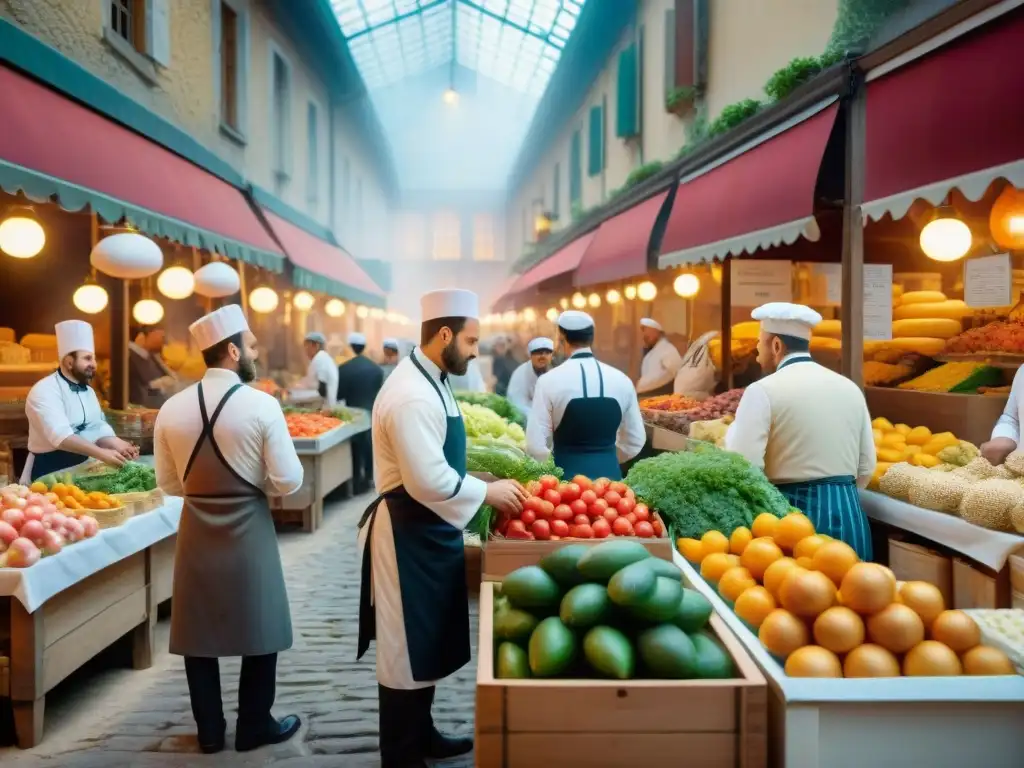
(627, 100)
(595, 143)
(692, 20)
(575, 169)
(158, 31)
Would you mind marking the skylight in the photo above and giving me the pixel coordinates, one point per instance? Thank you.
(514, 42)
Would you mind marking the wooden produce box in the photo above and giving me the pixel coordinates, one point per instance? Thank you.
(474, 567)
(912, 562)
(978, 587)
(619, 723)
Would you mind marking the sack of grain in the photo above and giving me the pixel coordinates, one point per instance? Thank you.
(992, 503)
(898, 478)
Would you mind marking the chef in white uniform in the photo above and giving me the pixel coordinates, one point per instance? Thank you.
(584, 411)
(807, 427)
(661, 361)
(413, 597)
(1006, 433)
(391, 350)
(697, 376)
(322, 373)
(66, 426)
(524, 378)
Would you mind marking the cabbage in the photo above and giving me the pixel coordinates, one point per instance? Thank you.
(483, 422)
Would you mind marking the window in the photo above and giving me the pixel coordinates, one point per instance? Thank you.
(312, 154)
(483, 237)
(229, 67)
(281, 118)
(447, 237)
(411, 229)
(140, 32)
(128, 21)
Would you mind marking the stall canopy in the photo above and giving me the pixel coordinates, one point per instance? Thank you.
(505, 297)
(619, 248)
(953, 119)
(564, 261)
(54, 148)
(760, 196)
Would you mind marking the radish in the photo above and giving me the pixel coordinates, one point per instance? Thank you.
(34, 513)
(90, 525)
(22, 554)
(53, 543)
(33, 530)
(8, 533)
(13, 517)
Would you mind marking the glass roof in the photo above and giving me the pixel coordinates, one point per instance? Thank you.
(514, 42)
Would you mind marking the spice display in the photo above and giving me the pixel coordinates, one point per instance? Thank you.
(668, 403)
(878, 374)
(998, 338)
(716, 407)
(307, 424)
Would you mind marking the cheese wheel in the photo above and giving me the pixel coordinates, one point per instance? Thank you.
(922, 297)
(897, 291)
(929, 347)
(953, 309)
(750, 329)
(39, 341)
(822, 343)
(931, 328)
(832, 329)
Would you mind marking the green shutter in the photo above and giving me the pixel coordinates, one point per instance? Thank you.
(627, 123)
(556, 190)
(595, 144)
(575, 170)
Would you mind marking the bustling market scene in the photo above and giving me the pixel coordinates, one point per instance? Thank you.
(511, 383)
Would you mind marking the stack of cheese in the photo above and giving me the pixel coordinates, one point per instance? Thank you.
(922, 321)
(744, 342)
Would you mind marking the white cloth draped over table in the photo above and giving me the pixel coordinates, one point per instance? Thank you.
(322, 370)
(659, 366)
(409, 427)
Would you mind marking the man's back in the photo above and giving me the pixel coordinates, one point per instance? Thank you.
(359, 381)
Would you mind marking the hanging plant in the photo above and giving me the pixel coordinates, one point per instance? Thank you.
(680, 100)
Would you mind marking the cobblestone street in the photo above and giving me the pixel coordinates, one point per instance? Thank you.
(142, 719)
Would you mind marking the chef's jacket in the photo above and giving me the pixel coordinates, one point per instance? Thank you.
(322, 370)
(696, 376)
(556, 388)
(471, 381)
(803, 423)
(251, 433)
(659, 366)
(55, 412)
(521, 387)
(1008, 424)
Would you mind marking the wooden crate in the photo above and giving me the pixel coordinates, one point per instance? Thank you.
(619, 723)
(977, 587)
(1016, 566)
(474, 567)
(911, 562)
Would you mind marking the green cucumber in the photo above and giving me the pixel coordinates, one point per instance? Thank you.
(602, 562)
(561, 565)
(514, 625)
(666, 569)
(712, 660)
(552, 648)
(694, 611)
(667, 652)
(512, 662)
(531, 587)
(585, 606)
(663, 604)
(609, 652)
(633, 585)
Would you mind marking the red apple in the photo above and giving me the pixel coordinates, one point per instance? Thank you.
(34, 512)
(612, 498)
(622, 527)
(602, 528)
(33, 530)
(563, 512)
(541, 530)
(559, 528)
(8, 533)
(13, 517)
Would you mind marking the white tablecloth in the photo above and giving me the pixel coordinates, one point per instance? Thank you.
(990, 548)
(34, 586)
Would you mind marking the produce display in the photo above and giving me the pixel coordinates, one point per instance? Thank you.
(481, 421)
(955, 377)
(917, 445)
(36, 523)
(579, 509)
(999, 337)
(703, 490)
(822, 612)
(308, 424)
(668, 403)
(718, 406)
(610, 611)
(69, 496)
(711, 431)
(133, 477)
(268, 386)
(500, 405)
(1003, 629)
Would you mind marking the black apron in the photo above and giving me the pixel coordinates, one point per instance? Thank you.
(584, 441)
(431, 570)
(666, 389)
(56, 461)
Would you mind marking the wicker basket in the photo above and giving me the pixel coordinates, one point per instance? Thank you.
(110, 518)
(140, 502)
(134, 424)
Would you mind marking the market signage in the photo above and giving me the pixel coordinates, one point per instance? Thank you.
(988, 281)
(878, 302)
(758, 282)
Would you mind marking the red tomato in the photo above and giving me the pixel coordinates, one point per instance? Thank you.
(534, 488)
(659, 529)
(553, 496)
(600, 487)
(642, 512)
(532, 502)
(528, 516)
(629, 493)
(569, 491)
(541, 530)
(625, 505)
(632, 517)
(610, 514)
(563, 512)
(618, 487)
(581, 520)
(516, 525)
(579, 507)
(602, 528)
(612, 497)
(583, 531)
(583, 482)
(559, 528)
(588, 497)
(548, 482)
(598, 507)
(517, 534)
(622, 527)
(546, 509)
(644, 529)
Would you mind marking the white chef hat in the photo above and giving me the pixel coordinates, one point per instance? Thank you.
(450, 302)
(784, 319)
(390, 344)
(317, 337)
(356, 339)
(220, 324)
(539, 344)
(574, 320)
(648, 322)
(73, 336)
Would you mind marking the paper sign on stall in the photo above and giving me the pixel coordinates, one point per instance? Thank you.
(826, 285)
(758, 282)
(988, 281)
(878, 302)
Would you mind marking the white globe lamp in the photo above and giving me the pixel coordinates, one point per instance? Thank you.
(90, 299)
(176, 282)
(217, 280)
(263, 300)
(21, 237)
(334, 308)
(148, 312)
(686, 285)
(127, 255)
(303, 301)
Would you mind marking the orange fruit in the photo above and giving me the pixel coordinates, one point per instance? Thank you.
(925, 599)
(754, 605)
(896, 628)
(776, 572)
(807, 593)
(764, 525)
(714, 541)
(807, 546)
(838, 629)
(782, 633)
(759, 554)
(739, 540)
(714, 565)
(813, 661)
(867, 588)
(870, 660)
(834, 559)
(806, 563)
(791, 529)
(986, 660)
(957, 630)
(931, 659)
(734, 582)
(691, 549)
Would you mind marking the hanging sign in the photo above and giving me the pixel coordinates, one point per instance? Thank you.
(826, 285)
(756, 282)
(878, 302)
(988, 281)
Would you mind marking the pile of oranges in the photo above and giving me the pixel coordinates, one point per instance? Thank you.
(816, 607)
(73, 498)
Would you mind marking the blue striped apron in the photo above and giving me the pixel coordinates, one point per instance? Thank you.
(831, 503)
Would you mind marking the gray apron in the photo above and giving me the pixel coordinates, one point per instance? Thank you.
(229, 592)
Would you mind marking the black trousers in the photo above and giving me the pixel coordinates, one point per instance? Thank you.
(362, 462)
(406, 725)
(257, 687)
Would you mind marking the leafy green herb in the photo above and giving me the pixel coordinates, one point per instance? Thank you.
(131, 478)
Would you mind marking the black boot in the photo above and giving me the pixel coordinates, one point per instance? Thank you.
(402, 742)
(249, 737)
(256, 690)
(441, 747)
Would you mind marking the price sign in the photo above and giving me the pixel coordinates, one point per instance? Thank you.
(756, 282)
(878, 302)
(988, 281)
